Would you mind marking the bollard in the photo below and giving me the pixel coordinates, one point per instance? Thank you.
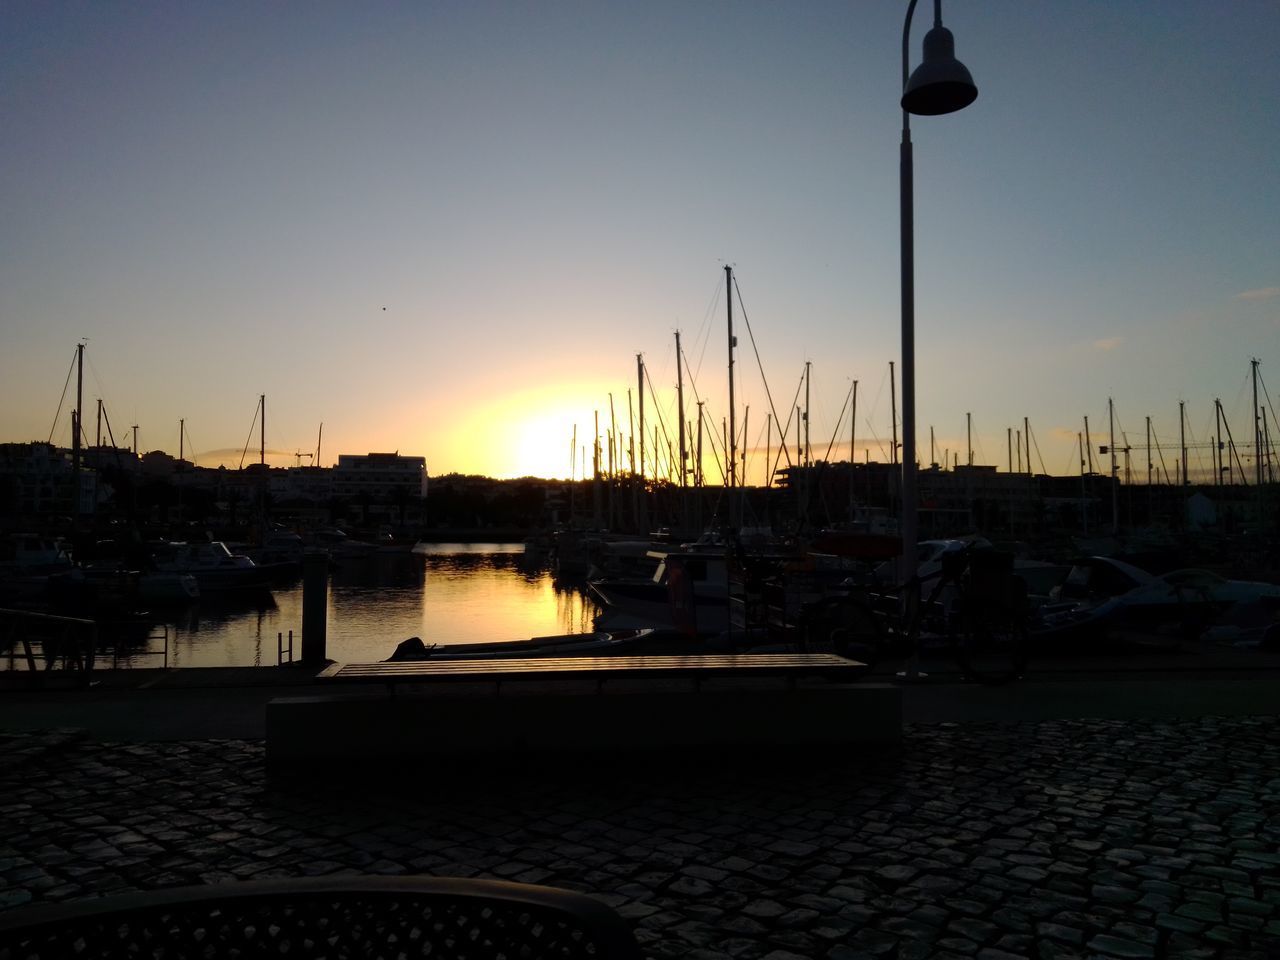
(315, 606)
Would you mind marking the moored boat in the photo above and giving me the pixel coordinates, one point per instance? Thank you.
(687, 592)
(212, 564)
(599, 644)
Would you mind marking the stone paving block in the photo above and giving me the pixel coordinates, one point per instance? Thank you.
(799, 941)
(1113, 946)
(1001, 808)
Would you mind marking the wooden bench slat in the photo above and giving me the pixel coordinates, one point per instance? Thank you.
(699, 665)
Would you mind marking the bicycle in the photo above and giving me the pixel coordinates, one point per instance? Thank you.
(977, 607)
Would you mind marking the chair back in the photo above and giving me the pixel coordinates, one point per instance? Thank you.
(445, 919)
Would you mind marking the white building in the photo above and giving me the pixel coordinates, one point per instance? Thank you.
(37, 478)
(379, 476)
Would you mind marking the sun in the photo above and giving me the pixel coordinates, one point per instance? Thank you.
(541, 446)
(529, 433)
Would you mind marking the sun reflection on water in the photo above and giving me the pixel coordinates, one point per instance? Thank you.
(451, 593)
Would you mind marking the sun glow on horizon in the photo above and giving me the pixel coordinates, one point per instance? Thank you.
(530, 433)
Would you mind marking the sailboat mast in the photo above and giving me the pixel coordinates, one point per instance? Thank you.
(1084, 493)
(631, 450)
(698, 465)
(573, 472)
(808, 449)
(724, 445)
(853, 442)
(1232, 454)
(1115, 483)
(768, 461)
(1150, 465)
(1217, 446)
(968, 427)
(1257, 430)
(613, 433)
(684, 453)
(640, 394)
(1182, 438)
(1026, 438)
(893, 415)
(1088, 445)
(262, 443)
(733, 437)
(799, 445)
(768, 450)
(631, 433)
(75, 424)
(182, 432)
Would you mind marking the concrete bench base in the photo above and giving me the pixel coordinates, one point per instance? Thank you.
(373, 729)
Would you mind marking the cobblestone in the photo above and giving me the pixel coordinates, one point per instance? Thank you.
(1056, 839)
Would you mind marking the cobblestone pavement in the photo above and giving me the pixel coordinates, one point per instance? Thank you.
(1052, 839)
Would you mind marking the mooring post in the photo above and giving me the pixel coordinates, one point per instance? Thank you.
(315, 606)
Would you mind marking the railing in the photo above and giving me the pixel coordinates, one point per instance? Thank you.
(69, 642)
(282, 649)
(156, 632)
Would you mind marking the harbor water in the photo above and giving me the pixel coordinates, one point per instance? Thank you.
(444, 593)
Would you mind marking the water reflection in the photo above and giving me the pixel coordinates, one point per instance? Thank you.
(448, 593)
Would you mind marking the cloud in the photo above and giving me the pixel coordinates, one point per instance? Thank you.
(1265, 293)
(232, 455)
(1110, 343)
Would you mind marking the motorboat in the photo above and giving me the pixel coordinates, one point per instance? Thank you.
(687, 592)
(278, 546)
(1193, 585)
(27, 562)
(622, 559)
(32, 554)
(341, 546)
(1105, 596)
(212, 564)
(599, 644)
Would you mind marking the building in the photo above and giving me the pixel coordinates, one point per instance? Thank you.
(38, 479)
(379, 476)
(33, 478)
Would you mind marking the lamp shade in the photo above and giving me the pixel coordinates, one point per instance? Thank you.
(941, 84)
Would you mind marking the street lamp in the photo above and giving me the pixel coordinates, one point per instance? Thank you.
(941, 84)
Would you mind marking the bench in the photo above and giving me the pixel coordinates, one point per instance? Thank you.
(697, 668)
(538, 706)
(313, 917)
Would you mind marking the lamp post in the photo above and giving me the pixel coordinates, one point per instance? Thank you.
(941, 84)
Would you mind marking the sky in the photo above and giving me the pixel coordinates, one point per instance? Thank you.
(448, 228)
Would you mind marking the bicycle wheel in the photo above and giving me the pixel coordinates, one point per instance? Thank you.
(858, 634)
(991, 650)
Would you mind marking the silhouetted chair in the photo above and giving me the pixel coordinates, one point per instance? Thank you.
(339, 917)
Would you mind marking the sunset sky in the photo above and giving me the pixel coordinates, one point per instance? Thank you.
(448, 228)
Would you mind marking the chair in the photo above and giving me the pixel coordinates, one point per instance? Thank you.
(332, 918)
